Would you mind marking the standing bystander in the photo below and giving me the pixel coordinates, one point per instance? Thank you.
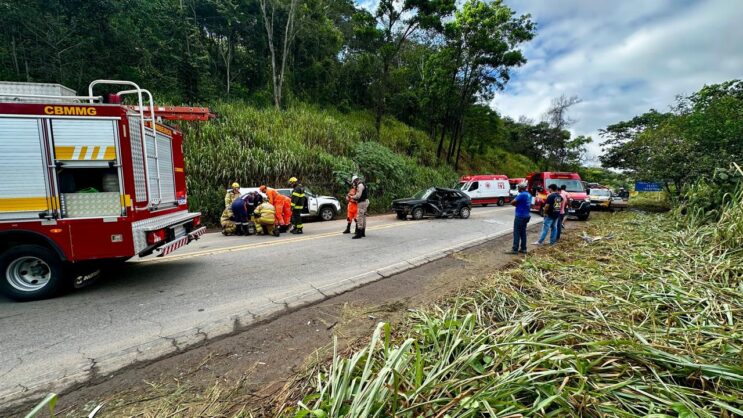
(551, 210)
(522, 202)
(362, 200)
(563, 208)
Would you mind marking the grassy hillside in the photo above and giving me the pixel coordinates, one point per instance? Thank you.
(322, 148)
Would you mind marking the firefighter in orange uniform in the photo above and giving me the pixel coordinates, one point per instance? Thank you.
(284, 212)
(353, 206)
(280, 203)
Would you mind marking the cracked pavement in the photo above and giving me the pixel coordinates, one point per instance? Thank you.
(150, 308)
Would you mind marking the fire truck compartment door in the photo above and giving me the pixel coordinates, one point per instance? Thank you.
(96, 239)
(23, 182)
(84, 139)
(162, 160)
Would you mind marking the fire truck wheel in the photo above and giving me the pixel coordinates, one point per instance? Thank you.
(31, 272)
(501, 202)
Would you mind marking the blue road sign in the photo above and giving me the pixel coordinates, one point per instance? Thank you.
(646, 186)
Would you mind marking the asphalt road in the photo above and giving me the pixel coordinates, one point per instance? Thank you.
(149, 308)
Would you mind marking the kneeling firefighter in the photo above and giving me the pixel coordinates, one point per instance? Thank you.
(362, 200)
(282, 205)
(265, 220)
(298, 203)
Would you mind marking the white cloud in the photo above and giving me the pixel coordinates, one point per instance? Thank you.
(622, 58)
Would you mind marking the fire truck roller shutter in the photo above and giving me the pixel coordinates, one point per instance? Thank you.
(162, 160)
(135, 135)
(165, 161)
(84, 139)
(23, 185)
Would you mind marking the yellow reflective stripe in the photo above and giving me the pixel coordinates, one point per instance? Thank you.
(64, 153)
(126, 200)
(80, 152)
(21, 204)
(110, 153)
(298, 195)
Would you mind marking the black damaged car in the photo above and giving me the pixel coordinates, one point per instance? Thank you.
(436, 202)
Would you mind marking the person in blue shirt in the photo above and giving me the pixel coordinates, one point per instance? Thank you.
(522, 202)
(551, 215)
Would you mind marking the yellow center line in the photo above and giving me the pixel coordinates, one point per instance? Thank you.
(244, 247)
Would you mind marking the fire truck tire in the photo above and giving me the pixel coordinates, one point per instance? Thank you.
(31, 272)
(501, 202)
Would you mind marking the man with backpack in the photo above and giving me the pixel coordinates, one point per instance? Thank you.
(551, 210)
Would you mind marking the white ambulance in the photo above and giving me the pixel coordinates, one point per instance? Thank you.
(486, 189)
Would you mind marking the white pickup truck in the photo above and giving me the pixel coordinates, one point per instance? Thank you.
(326, 208)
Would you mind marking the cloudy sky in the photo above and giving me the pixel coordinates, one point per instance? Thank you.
(621, 57)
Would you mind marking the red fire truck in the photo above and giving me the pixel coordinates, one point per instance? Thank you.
(85, 180)
(579, 204)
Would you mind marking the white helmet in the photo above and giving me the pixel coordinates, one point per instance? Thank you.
(354, 178)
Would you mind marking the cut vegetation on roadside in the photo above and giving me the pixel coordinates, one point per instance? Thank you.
(644, 322)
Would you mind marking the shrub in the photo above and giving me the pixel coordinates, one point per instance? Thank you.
(322, 148)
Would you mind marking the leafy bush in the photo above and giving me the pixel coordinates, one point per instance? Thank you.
(713, 211)
(322, 148)
(706, 199)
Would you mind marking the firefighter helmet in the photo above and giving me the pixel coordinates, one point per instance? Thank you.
(293, 180)
(235, 185)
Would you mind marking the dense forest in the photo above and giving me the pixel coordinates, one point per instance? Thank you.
(429, 64)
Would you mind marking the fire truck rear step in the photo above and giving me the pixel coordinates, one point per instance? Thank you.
(180, 242)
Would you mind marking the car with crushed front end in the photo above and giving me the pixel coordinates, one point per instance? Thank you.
(434, 202)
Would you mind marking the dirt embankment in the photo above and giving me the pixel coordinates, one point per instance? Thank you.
(254, 371)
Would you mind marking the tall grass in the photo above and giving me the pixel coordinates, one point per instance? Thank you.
(649, 323)
(264, 146)
(712, 212)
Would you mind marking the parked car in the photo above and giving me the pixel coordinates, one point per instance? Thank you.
(600, 198)
(325, 208)
(436, 202)
(513, 185)
(618, 203)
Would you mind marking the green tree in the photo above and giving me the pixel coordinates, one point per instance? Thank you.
(482, 42)
(701, 133)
